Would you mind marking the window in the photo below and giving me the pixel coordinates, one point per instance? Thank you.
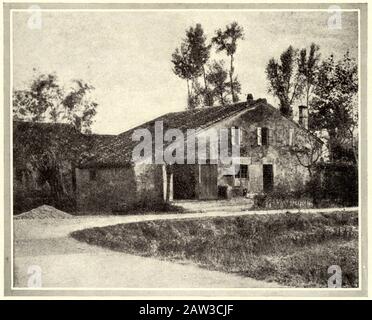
(265, 136)
(259, 136)
(235, 136)
(92, 175)
(242, 171)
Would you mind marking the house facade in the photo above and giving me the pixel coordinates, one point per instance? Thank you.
(112, 181)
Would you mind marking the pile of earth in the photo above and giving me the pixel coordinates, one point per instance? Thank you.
(44, 212)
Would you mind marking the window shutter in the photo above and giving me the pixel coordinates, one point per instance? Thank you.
(233, 136)
(240, 136)
(270, 137)
(229, 140)
(259, 136)
(265, 136)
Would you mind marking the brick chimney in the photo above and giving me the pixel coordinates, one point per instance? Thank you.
(249, 97)
(303, 116)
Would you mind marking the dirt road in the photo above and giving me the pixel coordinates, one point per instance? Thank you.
(66, 262)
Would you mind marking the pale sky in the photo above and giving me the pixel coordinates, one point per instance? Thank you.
(126, 55)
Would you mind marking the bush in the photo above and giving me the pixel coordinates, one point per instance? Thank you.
(332, 185)
(143, 207)
(23, 201)
(293, 249)
(335, 184)
(283, 197)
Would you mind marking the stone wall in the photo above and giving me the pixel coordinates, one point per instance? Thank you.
(286, 168)
(118, 189)
(149, 183)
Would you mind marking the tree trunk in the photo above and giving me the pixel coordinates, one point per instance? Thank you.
(56, 186)
(231, 77)
(205, 80)
(188, 94)
(331, 144)
(354, 146)
(285, 109)
(307, 98)
(309, 169)
(355, 152)
(221, 99)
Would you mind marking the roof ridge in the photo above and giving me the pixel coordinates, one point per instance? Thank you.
(185, 112)
(118, 150)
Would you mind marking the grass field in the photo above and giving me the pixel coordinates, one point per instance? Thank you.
(291, 249)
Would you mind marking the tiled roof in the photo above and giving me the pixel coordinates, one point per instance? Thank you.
(118, 151)
(37, 135)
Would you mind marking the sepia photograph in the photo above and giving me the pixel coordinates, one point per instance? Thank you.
(186, 149)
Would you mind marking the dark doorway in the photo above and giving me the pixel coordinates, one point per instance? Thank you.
(208, 182)
(184, 182)
(268, 177)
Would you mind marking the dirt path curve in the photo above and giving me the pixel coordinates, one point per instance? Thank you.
(66, 262)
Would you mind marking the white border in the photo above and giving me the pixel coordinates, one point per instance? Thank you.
(167, 288)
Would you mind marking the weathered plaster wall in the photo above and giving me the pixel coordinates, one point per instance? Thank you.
(118, 189)
(111, 188)
(286, 168)
(149, 184)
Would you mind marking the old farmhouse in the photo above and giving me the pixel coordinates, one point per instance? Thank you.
(111, 181)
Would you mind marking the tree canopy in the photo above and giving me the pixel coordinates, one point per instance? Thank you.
(285, 82)
(334, 103)
(227, 41)
(47, 101)
(190, 61)
(217, 77)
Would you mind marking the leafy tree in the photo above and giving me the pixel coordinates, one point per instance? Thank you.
(200, 53)
(47, 101)
(308, 150)
(308, 67)
(285, 82)
(217, 77)
(183, 67)
(197, 96)
(199, 50)
(40, 101)
(53, 148)
(189, 63)
(227, 41)
(51, 151)
(334, 103)
(23, 104)
(80, 108)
